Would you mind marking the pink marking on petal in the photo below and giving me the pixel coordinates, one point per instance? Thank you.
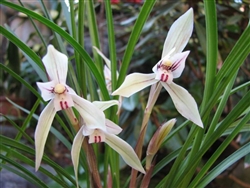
(99, 138)
(61, 104)
(95, 139)
(66, 104)
(164, 77)
(175, 65)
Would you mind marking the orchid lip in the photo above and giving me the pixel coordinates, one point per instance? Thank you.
(64, 105)
(98, 139)
(164, 77)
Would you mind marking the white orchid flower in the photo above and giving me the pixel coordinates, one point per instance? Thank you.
(61, 97)
(107, 68)
(107, 75)
(169, 67)
(106, 133)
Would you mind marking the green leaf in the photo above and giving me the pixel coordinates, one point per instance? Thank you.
(219, 151)
(231, 117)
(112, 43)
(143, 15)
(211, 49)
(22, 147)
(68, 38)
(21, 80)
(93, 30)
(57, 37)
(237, 155)
(22, 172)
(20, 157)
(26, 50)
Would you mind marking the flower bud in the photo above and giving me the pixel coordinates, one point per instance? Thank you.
(157, 140)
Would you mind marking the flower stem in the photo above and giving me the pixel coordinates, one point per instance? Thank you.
(153, 95)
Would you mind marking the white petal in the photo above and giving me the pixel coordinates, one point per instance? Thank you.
(75, 151)
(92, 116)
(86, 130)
(97, 137)
(63, 101)
(103, 105)
(42, 130)
(134, 83)
(107, 74)
(112, 127)
(125, 150)
(156, 67)
(107, 61)
(179, 33)
(70, 90)
(46, 89)
(178, 63)
(56, 64)
(164, 76)
(184, 103)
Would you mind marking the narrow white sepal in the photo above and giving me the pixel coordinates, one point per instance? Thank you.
(75, 151)
(107, 73)
(125, 150)
(42, 130)
(107, 61)
(107, 68)
(134, 83)
(184, 103)
(112, 127)
(179, 33)
(56, 64)
(179, 61)
(92, 116)
(103, 105)
(46, 89)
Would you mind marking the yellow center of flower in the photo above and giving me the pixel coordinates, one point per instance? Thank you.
(59, 89)
(167, 63)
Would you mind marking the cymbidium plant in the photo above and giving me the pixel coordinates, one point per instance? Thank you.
(83, 96)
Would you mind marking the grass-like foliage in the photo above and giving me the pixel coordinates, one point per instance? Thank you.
(84, 69)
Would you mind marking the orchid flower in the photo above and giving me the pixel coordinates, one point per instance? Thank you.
(104, 133)
(61, 97)
(107, 75)
(169, 67)
(107, 68)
